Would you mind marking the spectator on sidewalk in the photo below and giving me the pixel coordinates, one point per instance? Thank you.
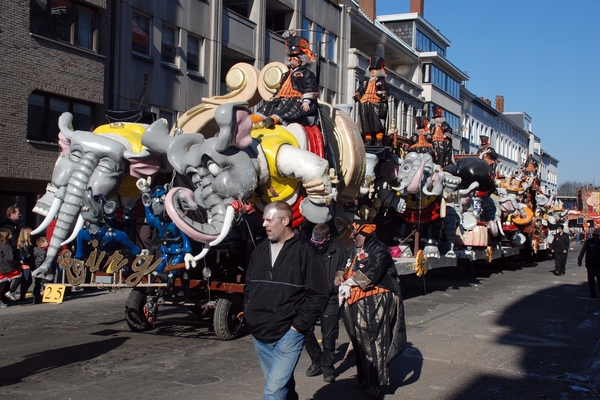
(591, 250)
(285, 292)
(335, 258)
(26, 265)
(39, 253)
(13, 224)
(8, 269)
(560, 249)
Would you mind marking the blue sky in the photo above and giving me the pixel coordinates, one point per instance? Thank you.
(543, 56)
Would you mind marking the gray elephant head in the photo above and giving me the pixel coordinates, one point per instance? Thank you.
(87, 160)
(221, 169)
(420, 176)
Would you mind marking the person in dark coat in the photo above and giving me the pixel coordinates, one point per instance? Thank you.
(296, 98)
(421, 141)
(335, 258)
(487, 152)
(560, 249)
(285, 293)
(14, 225)
(591, 250)
(373, 309)
(372, 97)
(441, 137)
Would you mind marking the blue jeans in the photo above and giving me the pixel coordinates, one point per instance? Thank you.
(278, 361)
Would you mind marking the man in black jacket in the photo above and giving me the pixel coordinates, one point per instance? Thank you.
(591, 249)
(286, 291)
(335, 258)
(560, 248)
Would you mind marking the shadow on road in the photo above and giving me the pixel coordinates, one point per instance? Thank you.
(442, 279)
(557, 331)
(56, 358)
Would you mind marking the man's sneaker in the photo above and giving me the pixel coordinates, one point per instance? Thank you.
(3, 305)
(313, 370)
(328, 377)
(11, 296)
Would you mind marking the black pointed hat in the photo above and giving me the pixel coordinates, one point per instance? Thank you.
(376, 62)
(421, 122)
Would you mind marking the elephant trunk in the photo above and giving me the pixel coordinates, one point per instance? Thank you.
(415, 183)
(200, 232)
(68, 213)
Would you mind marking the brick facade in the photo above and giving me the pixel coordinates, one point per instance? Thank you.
(30, 62)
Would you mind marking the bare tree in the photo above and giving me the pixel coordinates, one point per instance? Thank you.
(569, 188)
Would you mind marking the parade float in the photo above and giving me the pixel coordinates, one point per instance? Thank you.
(199, 188)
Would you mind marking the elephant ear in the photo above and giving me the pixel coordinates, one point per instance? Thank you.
(156, 138)
(235, 125)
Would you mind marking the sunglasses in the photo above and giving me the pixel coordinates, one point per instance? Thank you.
(319, 242)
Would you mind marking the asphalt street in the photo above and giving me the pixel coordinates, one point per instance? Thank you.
(511, 331)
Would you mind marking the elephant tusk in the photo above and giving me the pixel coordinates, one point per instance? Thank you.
(229, 214)
(51, 214)
(500, 228)
(474, 185)
(76, 229)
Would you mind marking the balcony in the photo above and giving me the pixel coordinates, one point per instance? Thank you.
(239, 33)
(274, 47)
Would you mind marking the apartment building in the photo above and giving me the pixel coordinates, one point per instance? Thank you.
(164, 57)
(53, 57)
(440, 79)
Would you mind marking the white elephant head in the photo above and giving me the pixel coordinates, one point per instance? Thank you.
(87, 160)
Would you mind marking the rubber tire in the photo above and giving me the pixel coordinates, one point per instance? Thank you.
(134, 311)
(225, 322)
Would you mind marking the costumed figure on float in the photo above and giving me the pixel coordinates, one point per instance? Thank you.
(372, 96)
(441, 137)
(296, 98)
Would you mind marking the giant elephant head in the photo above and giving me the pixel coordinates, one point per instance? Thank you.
(473, 169)
(88, 160)
(221, 169)
(419, 175)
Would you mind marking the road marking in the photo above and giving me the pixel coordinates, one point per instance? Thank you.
(488, 312)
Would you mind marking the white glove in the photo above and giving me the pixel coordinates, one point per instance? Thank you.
(344, 293)
(189, 261)
(143, 184)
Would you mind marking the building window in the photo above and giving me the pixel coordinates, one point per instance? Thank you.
(331, 47)
(305, 32)
(320, 42)
(425, 44)
(434, 75)
(238, 6)
(168, 44)
(69, 21)
(194, 55)
(43, 113)
(140, 34)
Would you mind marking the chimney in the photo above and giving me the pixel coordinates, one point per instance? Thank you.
(368, 7)
(486, 100)
(500, 103)
(417, 6)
